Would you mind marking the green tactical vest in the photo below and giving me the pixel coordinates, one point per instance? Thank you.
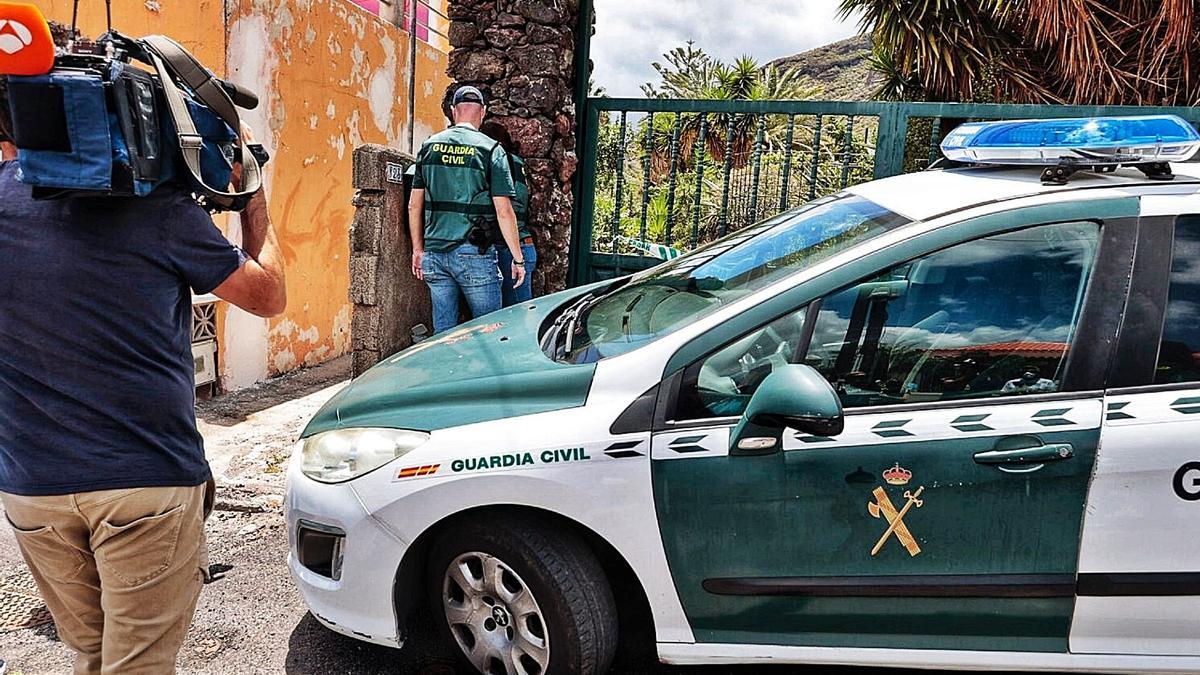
(460, 170)
(521, 201)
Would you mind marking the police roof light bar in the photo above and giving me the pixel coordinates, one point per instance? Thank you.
(1086, 141)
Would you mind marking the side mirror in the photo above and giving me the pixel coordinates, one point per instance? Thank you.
(793, 396)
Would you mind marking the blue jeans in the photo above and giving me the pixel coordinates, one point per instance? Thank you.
(524, 292)
(463, 269)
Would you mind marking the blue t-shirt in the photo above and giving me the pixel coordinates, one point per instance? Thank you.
(96, 372)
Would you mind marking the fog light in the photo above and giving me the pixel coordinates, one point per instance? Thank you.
(319, 548)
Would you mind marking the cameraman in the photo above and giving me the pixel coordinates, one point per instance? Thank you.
(462, 182)
(102, 470)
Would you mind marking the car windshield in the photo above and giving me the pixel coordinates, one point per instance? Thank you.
(662, 300)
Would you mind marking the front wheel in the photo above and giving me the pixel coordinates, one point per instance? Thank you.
(523, 598)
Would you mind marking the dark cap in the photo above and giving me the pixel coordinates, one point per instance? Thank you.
(467, 94)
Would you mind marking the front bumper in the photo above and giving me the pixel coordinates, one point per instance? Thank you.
(359, 602)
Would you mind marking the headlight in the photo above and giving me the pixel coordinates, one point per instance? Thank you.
(344, 454)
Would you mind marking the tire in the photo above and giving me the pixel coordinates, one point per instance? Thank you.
(513, 586)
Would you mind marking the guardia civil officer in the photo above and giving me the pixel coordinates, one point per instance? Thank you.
(462, 182)
(514, 292)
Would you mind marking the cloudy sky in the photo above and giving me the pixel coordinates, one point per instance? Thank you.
(630, 34)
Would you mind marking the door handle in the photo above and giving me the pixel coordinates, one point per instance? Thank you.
(1043, 453)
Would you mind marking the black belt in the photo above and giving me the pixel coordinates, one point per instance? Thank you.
(467, 209)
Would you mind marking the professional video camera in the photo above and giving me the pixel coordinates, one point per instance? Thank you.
(90, 122)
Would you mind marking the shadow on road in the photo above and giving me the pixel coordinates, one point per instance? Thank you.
(313, 648)
(233, 408)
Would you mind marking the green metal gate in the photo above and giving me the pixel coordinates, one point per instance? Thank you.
(659, 176)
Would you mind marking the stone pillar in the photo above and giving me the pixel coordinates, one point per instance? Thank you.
(388, 300)
(521, 54)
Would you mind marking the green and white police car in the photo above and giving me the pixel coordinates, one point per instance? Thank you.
(946, 419)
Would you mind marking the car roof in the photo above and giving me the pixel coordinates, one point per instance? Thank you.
(927, 194)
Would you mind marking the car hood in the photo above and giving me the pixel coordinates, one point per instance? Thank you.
(487, 369)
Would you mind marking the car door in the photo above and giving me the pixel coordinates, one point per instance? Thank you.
(947, 514)
(1139, 571)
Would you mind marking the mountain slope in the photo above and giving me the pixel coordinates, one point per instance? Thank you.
(841, 68)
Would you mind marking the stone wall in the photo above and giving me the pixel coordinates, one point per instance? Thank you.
(388, 300)
(521, 53)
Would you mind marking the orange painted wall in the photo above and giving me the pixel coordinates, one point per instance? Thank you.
(330, 77)
(337, 77)
(199, 25)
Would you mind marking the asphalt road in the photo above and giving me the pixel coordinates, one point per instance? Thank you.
(253, 620)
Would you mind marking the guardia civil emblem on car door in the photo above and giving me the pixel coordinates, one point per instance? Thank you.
(882, 507)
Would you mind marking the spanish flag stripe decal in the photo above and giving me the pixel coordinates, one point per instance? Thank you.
(416, 471)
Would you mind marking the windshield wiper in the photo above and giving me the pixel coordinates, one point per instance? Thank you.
(549, 342)
(572, 324)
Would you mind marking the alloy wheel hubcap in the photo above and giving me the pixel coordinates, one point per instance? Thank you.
(494, 617)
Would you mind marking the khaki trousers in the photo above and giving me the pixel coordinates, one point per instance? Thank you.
(120, 570)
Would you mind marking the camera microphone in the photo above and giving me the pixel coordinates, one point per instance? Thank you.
(26, 46)
(241, 96)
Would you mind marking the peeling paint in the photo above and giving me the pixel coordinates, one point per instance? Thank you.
(382, 95)
(358, 58)
(422, 131)
(254, 68)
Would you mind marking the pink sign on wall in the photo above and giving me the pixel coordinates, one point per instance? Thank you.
(371, 6)
(422, 18)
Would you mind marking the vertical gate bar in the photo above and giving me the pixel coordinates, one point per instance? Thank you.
(848, 151)
(726, 170)
(889, 150)
(787, 164)
(649, 147)
(585, 215)
(758, 148)
(672, 178)
(698, 165)
(816, 160)
(620, 193)
(934, 129)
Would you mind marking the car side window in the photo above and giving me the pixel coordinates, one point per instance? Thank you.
(990, 317)
(721, 384)
(1179, 349)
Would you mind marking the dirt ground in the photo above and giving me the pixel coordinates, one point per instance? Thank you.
(252, 620)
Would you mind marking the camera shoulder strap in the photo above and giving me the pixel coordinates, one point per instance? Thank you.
(170, 60)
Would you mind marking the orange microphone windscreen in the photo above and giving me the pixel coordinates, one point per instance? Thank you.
(26, 46)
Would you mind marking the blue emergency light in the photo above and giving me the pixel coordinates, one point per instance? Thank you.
(1090, 141)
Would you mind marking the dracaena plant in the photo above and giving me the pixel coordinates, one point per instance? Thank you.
(1035, 51)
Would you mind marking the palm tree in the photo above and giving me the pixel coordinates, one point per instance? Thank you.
(746, 80)
(939, 50)
(1035, 51)
(1119, 51)
(688, 72)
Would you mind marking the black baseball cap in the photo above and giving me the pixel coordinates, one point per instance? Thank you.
(467, 94)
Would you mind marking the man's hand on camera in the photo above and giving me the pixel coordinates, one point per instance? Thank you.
(416, 264)
(235, 178)
(518, 273)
